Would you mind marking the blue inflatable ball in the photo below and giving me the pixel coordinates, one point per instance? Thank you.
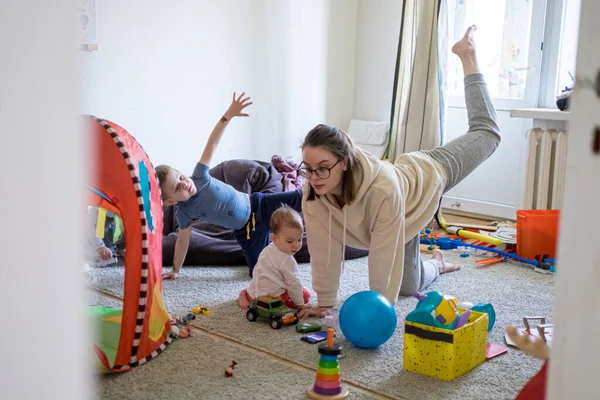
(367, 319)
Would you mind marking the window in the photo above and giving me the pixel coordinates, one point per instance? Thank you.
(529, 50)
(503, 33)
(568, 44)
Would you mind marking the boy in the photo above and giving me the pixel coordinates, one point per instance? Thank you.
(202, 196)
(276, 272)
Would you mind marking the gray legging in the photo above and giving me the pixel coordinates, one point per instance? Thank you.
(459, 158)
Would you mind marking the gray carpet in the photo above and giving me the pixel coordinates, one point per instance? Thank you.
(514, 289)
(193, 368)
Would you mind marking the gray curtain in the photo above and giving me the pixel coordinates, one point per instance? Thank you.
(418, 108)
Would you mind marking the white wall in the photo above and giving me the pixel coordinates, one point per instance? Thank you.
(45, 339)
(166, 72)
(378, 32)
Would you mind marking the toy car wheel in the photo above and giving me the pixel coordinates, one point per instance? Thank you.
(251, 315)
(276, 323)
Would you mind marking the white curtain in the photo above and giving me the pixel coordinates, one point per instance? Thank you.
(419, 97)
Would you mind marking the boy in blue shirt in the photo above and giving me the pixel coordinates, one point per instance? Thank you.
(202, 196)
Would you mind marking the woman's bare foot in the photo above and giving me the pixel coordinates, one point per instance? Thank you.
(243, 300)
(466, 45)
(465, 50)
(443, 266)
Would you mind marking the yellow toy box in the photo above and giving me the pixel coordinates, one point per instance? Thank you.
(445, 354)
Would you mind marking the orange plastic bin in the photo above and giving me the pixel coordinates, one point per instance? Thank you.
(537, 233)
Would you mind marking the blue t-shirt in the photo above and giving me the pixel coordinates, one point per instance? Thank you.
(214, 202)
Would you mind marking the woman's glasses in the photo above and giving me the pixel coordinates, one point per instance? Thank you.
(321, 172)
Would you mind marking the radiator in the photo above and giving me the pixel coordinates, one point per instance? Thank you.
(546, 164)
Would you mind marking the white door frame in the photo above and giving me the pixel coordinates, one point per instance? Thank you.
(575, 357)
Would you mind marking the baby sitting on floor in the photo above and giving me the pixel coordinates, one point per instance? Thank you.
(276, 271)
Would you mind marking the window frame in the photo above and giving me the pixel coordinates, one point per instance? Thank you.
(535, 57)
(553, 28)
(548, 20)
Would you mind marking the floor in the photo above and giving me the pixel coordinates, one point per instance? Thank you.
(268, 360)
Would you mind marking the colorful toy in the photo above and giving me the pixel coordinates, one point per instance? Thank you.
(125, 183)
(435, 309)
(179, 327)
(185, 332)
(445, 243)
(185, 320)
(175, 331)
(460, 231)
(444, 312)
(273, 310)
(486, 308)
(367, 319)
(307, 327)
(328, 384)
(315, 337)
(428, 237)
(229, 370)
(201, 310)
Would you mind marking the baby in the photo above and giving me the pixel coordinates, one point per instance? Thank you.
(276, 271)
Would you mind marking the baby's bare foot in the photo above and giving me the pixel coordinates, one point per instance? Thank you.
(443, 266)
(465, 47)
(243, 300)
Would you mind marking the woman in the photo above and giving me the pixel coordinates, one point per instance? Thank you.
(356, 199)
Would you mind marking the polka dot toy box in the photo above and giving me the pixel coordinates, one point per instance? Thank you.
(445, 353)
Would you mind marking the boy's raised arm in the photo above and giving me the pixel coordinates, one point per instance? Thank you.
(235, 110)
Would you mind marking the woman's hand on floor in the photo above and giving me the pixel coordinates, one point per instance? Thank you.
(316, 311)
(170, 275)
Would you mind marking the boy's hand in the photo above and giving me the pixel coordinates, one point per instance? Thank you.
(237, 106)
(170, 275)
(104, 253)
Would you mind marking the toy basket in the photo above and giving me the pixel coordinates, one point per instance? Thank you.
(537, 233)
(442, 353)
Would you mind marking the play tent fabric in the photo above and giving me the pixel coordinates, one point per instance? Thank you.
(125, 182)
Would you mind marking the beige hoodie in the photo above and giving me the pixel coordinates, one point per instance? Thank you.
(394, 202)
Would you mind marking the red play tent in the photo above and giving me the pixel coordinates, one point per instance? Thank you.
(126, 184)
